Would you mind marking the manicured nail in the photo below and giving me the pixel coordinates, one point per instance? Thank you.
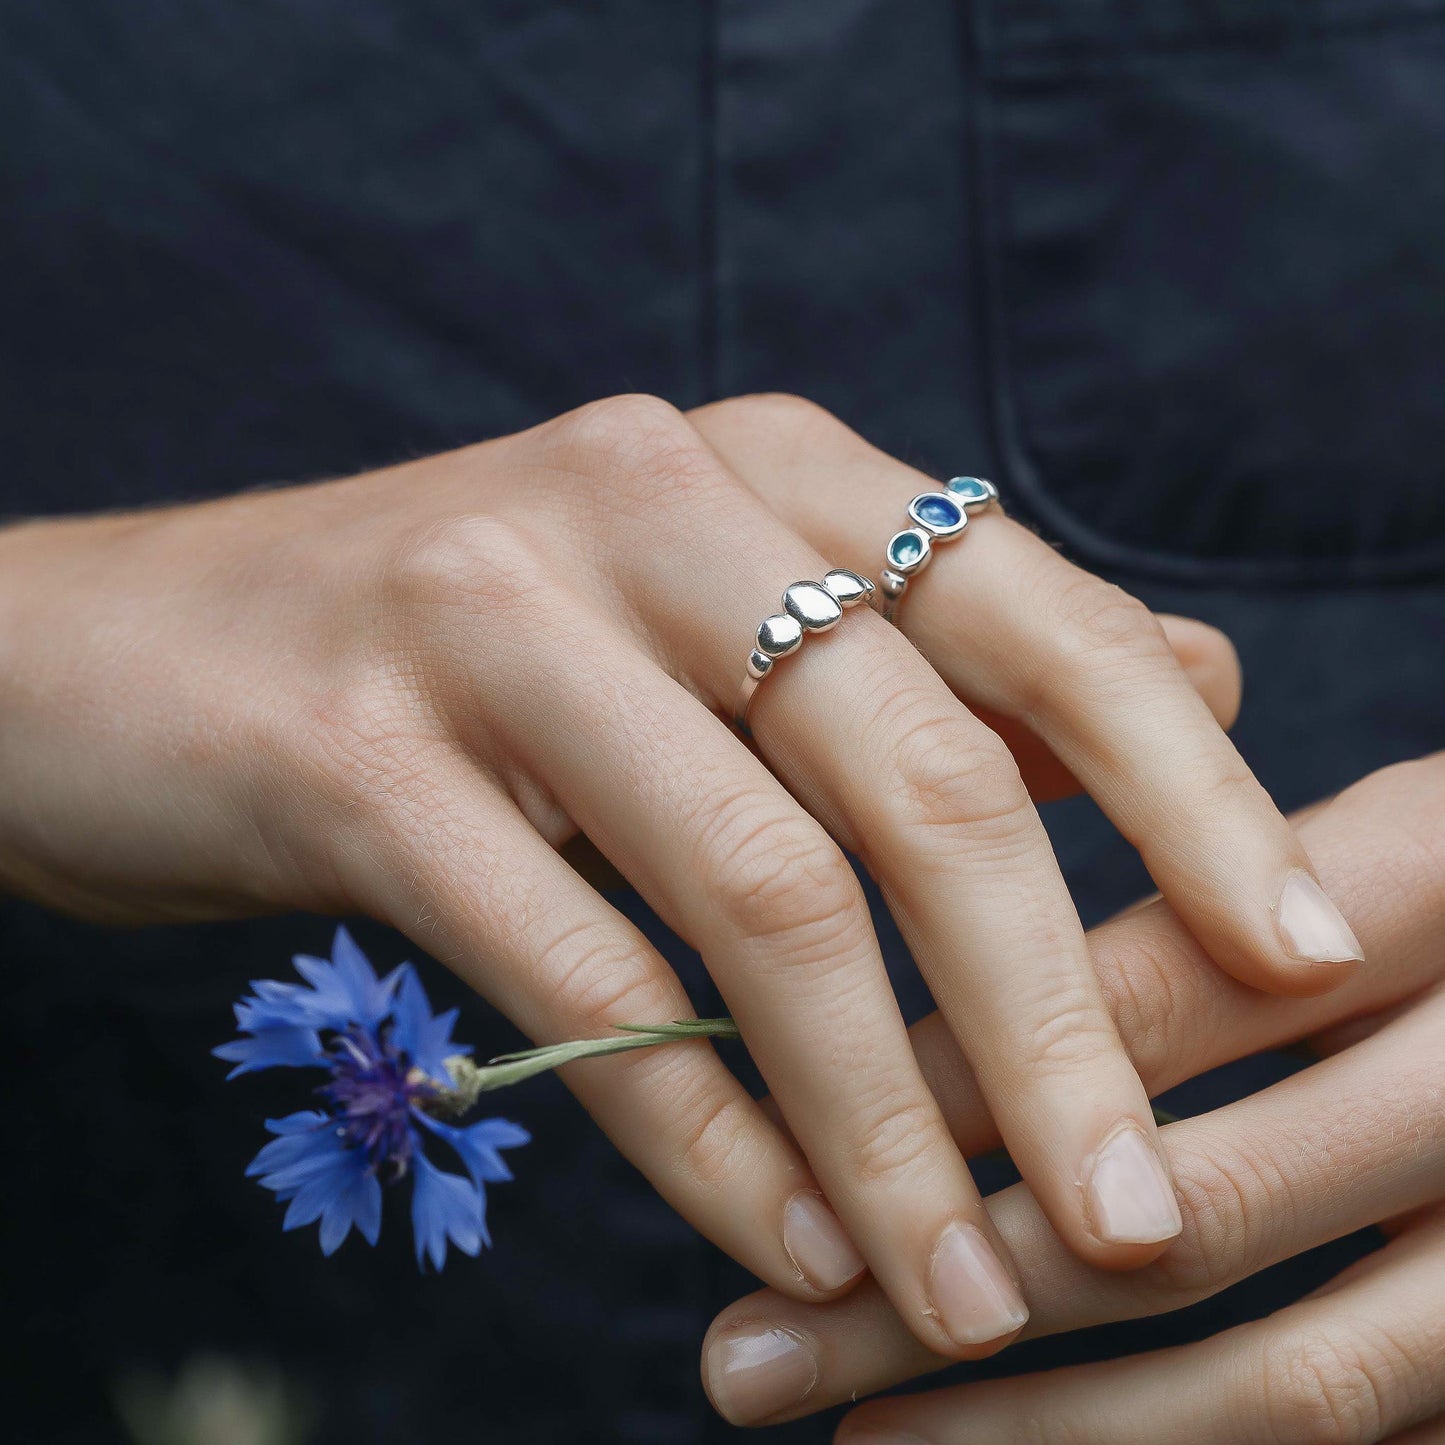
(975, 1297)
(1129, 1197)
(754, 1374)
(1311, 927)
(816, 1243)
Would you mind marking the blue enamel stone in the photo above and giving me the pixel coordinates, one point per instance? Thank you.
(904, 550)
(938, 511)
(970, 489)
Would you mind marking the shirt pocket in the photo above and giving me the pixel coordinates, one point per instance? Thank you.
(1214, 241)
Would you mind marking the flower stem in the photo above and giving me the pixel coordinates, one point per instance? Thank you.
(470, 1080)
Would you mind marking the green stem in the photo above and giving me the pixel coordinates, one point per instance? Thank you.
(470, 1080)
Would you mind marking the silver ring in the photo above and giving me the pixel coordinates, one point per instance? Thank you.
(807, 607)
(937, 517)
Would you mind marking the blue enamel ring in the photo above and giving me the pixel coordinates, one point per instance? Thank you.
(936, 517)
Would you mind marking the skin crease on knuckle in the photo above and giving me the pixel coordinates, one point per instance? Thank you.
(953, 778)
(1316, 1389)
(1092, 636)
(780, 881)
(637, 452)
(599, 975)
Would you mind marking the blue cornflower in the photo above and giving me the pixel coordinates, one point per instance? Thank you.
(387, 1060)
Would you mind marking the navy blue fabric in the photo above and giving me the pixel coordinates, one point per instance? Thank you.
(1171, 272)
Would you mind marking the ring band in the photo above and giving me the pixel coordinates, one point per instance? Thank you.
(937, 517)
(807, 607)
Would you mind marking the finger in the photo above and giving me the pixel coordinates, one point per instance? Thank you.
(1209, 662)
(1378, 846)
(1354, 1365)
(452, 863)
(731, 861)
(1206, 655)
(1018, 630)
(1256, 1187)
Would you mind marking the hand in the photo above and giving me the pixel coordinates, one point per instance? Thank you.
(397, 693)
(1353, 1141)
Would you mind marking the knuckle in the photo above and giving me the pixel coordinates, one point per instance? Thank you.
(1098, 635)
(1224, 1195)
(644, 449)
(596, 977)
(1099, 616)
(1228, 786)
(777, 412)
(1157, 1011)
(1072, 1036)
(362, 747)
(622, 424)
(897, 1134)
(779, 879)
(951, 777)
(1317, 1390)
(715, 1132)
(477, 560)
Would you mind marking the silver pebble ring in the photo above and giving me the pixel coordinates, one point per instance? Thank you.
(807, 607)
(937, 517)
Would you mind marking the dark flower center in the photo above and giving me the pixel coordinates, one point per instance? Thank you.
(372, 1090)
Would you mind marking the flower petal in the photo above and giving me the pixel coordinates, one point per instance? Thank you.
(344, 989)
(425, 1039)
(358, 1203)
(309, 1166)
(299, 1123)
(445, 1207)
(287, 1046)
(478, 1144)
(272, 1004)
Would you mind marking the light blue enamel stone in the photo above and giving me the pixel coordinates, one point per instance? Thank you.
(970, 489)
(905, 549)
(938, 511)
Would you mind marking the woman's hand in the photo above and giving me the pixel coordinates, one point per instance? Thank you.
(398, 693)
(1353, 1141)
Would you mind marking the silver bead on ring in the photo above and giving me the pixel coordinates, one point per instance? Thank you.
(807, 607)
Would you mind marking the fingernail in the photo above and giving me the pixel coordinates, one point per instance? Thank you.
(975, 1298)
(752, 1375)
(1311, 927)
(1129, 1197)
(816, 1243)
